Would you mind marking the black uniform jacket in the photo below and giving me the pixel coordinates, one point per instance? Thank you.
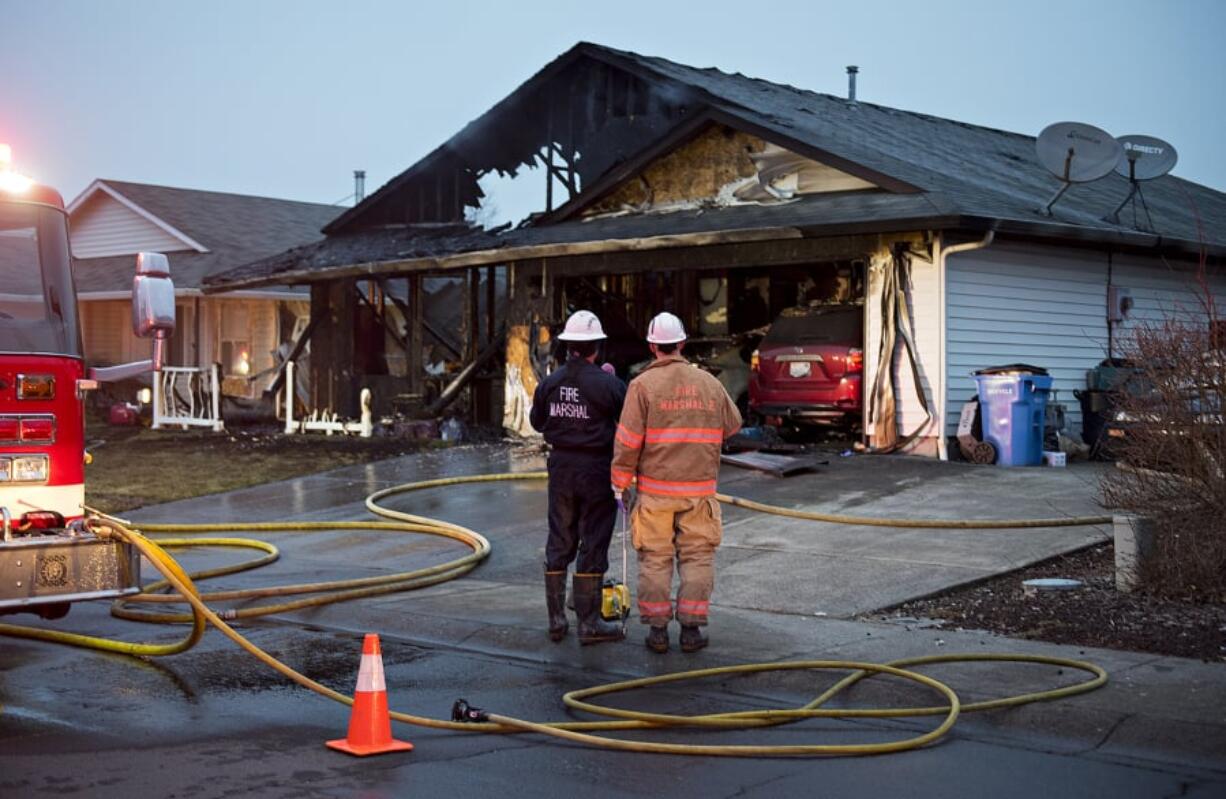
(577, 407)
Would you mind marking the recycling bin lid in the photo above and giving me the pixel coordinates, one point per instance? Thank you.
(1013, 369)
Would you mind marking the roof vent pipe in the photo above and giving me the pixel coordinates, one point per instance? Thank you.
(359, 185)
(851, 83)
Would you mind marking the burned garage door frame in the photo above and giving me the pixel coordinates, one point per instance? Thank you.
(544, 293)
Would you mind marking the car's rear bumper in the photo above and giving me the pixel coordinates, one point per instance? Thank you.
(810, 412)
(829, 402)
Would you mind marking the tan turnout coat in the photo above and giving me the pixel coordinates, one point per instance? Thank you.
(675, 419)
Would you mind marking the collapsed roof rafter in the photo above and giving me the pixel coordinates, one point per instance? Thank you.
(592, 107)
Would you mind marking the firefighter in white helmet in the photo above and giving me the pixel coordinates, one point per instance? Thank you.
(576, 408)
(676, 418)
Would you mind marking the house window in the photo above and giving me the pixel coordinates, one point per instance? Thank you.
(235, 339)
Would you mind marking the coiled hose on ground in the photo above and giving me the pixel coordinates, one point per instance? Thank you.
(590, 732)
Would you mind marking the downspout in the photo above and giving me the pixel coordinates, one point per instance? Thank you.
(943, 399)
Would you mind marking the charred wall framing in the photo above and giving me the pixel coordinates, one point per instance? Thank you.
(361, 325)
(576, 121)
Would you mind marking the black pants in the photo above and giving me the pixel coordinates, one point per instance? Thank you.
(582, 512)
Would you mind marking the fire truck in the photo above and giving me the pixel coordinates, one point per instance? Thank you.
(48, 556)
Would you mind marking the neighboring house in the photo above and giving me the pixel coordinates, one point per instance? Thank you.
(202, 233)
(725, 199)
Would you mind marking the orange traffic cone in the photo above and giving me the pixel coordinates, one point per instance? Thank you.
(370, 728)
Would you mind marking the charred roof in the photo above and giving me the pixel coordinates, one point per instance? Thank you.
(600, 111)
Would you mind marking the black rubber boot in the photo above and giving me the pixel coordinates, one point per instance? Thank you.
(692, 638)
(657, 640)
(592, 628)
(555, 598)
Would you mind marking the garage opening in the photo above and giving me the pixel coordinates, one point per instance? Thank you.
(787, 342)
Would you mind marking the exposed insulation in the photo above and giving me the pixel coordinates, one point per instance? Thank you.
(520, 383)
(518, 354)
(695, 171)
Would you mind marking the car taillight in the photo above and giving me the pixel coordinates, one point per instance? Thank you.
(38, 428)
(754, 361)
(35, 387)
(855, 360)
(9, 429)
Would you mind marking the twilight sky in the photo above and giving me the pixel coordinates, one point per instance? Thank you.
(285, 99)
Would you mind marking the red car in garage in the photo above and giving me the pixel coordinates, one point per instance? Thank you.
(809, 366)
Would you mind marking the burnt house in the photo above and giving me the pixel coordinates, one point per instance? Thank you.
(727, 199)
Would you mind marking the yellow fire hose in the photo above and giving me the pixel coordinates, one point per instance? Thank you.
(185, 590)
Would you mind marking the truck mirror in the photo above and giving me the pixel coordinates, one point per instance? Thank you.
(153, 303)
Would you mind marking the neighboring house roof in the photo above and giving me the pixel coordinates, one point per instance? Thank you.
(933, 172)
(213, 231)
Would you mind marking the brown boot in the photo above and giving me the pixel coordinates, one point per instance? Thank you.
(555, 597)
(692, 638)
(592, 628)
(657, 640)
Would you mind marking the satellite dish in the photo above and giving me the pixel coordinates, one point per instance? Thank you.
(1076, 153)
(1141, 158)
(1145, 157)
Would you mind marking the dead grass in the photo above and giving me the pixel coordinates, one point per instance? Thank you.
(135, 466)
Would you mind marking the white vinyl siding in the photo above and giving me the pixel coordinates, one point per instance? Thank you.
(107, 332)
(1047, 306)
(1044, 307)
(1162, 290)
(103, 227)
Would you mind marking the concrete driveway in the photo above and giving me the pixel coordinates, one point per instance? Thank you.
(217, 723)
(797, 566)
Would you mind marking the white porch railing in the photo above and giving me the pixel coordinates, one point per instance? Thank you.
(323, 421)
(186, 396)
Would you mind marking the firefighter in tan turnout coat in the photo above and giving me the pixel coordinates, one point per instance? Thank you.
(672, 426)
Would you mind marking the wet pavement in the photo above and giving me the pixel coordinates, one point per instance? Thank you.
(214, 722)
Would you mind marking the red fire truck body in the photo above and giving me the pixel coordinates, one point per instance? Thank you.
(48, 558)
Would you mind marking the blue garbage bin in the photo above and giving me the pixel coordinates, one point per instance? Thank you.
(1013, 407)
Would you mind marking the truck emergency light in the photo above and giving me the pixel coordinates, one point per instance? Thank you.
(10, 181)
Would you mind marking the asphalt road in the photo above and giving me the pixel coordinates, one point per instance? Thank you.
(215, 723)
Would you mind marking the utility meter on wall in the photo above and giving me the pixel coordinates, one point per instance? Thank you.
(1119, 303)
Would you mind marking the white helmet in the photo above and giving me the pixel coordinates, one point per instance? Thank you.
(582, 326)
(665, 329)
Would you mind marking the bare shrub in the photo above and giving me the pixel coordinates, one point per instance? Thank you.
(1172, 459)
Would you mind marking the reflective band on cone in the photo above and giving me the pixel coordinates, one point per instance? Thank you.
(370, 674)
(370, 727)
